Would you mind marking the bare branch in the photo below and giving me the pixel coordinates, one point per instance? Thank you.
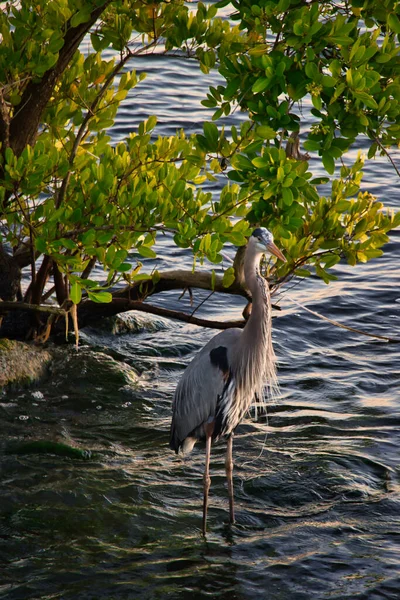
(385, 151)
(119, 305)
(179, 279)
(35, 308)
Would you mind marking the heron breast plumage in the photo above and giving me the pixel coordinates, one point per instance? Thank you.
(202, 383)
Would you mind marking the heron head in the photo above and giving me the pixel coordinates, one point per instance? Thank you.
(263, 241)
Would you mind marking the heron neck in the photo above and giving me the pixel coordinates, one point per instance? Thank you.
(257, 286)
(255, 364)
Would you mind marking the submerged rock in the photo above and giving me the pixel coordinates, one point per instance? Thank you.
(88, 369)
(132, 322)
(22, 363)
(48, 447)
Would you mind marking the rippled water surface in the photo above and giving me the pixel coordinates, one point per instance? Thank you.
(316, 483)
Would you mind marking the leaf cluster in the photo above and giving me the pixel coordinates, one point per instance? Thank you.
(77, 199)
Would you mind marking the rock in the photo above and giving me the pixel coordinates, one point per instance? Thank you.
(88, 370)
(22, 363)
(131, 322)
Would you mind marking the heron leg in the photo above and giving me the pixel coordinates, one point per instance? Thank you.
(229, 471)
(207, 479)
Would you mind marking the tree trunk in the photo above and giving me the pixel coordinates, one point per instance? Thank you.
(20, 130)
(24, 126)
(10, 276)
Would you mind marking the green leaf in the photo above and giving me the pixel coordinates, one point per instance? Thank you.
(150, 123)
(394, 23)
(396, 220)
(178, 189)
(235, 176)
(76, 293)
(331, 260)
(319, 180)
(342, 205)
(366, 99)
(110, 255)
(266, 132)
(9, 154)
(311, 145)
(209, 103)
(287, 196)
(317, 102)
(213, 278)
(383, 58)
(261, 85)
(146, 252)
(218, 113)
(361, 227)
(328, 163)
(141, 277)
(372, 253)
(236, 238)
(41, 245)
(229, 277)
(89, 237)
(312, 71)
(100, 297)
(372, 150)
(124, 267)
(203, 142)
(211, 134)
(67, 243)
(328, 81)
(338, 92)
(76, 215)
(342, 40)
(15, 98)
(82, 16)
(56, 42)
(260, 162)
(302, 272)
(329, 244)
(280, 174)
(322, 273)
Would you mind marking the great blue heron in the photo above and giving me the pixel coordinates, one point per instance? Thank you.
(219, 385)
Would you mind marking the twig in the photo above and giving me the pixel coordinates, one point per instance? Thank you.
(382, 147)
(337, 324)
(201, 303)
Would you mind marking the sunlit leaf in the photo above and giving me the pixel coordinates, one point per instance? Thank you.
(100, 297)
(76, 293)
(229, 277)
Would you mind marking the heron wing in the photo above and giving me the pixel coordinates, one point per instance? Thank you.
(202, 382)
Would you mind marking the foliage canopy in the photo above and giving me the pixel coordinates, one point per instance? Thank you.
(71, 199)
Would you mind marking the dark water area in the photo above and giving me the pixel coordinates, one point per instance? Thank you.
(316, 481)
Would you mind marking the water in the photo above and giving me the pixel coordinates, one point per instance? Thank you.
(316, 483)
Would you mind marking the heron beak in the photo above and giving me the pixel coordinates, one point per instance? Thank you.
(276, 252)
